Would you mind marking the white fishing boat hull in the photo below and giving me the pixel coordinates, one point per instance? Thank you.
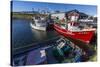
(38, 27)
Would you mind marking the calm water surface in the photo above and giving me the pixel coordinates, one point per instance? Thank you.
(23, 34)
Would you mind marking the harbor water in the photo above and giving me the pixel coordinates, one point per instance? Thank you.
(23, 34)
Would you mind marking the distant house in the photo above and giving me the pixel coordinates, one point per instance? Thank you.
(81, 15)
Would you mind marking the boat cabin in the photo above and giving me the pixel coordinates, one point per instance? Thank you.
(73, 24)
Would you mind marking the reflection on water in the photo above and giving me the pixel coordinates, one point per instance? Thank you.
(23, 34)
(39, 35)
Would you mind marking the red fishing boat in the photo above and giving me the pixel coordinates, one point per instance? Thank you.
(71, 28)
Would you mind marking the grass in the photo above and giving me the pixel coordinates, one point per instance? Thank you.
(24, 15)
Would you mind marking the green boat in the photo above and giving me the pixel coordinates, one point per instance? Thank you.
(65, 51)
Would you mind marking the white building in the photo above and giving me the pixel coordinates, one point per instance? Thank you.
(59, 15)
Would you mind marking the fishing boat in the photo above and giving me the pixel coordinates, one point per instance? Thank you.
(66, 51)
(39, 23)
(70, 27)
